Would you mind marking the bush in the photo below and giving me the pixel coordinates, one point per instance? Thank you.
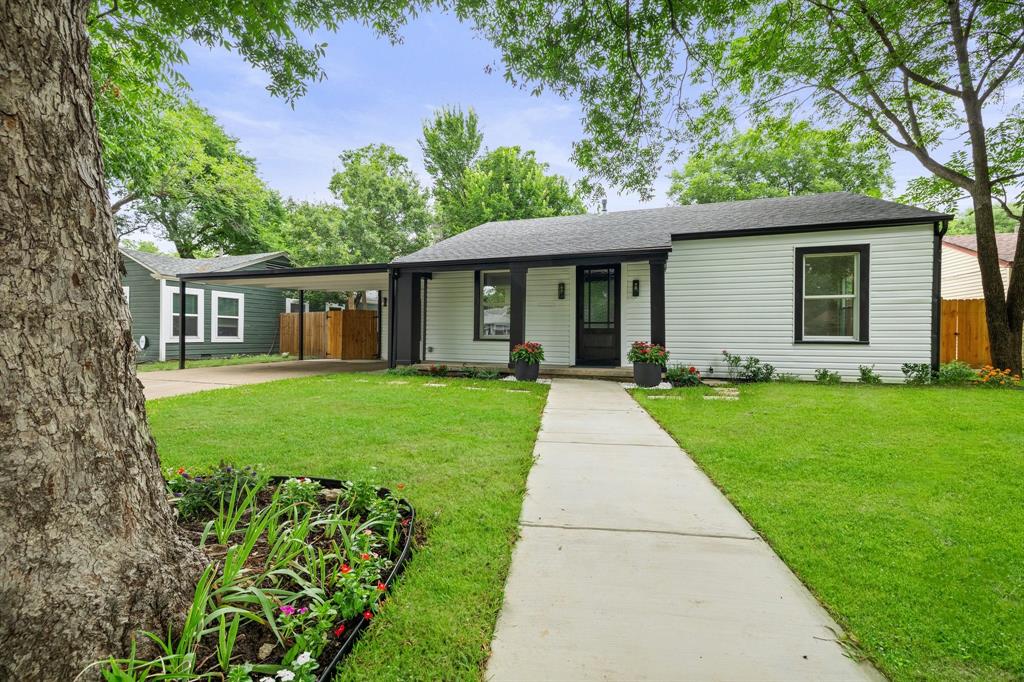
(531, 352)
(680, 375)
(827, 376)
(955, 373)
(732, 364)
(868, 375)
(641, 351)
(917, 373)
(787, 378)
(991, 377)
(757, 371)
(404, 371)
(438, 370)
(201, 494)
(480, 373)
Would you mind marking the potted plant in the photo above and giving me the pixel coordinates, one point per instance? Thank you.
(648, 362)
(527, 358)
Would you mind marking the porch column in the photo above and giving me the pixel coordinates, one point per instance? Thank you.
(181, 324)
(406, 316)
(517, 307)
(302, 324)
(657, 266)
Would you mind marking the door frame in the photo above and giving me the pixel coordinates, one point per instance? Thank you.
(578, 315)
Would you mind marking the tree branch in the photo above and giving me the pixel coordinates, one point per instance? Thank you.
(998, 80)
(120, 203)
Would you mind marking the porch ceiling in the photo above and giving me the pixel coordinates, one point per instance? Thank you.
(322, 278)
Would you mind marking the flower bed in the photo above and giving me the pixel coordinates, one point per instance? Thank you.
(297, 570)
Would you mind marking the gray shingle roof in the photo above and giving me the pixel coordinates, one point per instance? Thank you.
(1006, 242)
(653, 228)
(172, 265)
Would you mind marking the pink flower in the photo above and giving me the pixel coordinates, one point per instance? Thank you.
(288, 610)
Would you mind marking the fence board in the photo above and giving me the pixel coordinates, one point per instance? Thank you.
(338, 334)
(963, 333)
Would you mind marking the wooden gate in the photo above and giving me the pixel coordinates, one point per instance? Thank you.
(964, 334)
(337, 334)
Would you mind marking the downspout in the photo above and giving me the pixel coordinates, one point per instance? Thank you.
(302, 324)
(181, 323)
(391, 317)
(940, 232)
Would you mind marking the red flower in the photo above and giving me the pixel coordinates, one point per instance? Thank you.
(181, 470)
(692, 370)
(346, 569)
(338, 630)
(368, 615)
(381, 586)
(364, 556)
(401, 486)
(405, 521)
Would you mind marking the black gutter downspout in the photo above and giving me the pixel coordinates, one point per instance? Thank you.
(940, 232)
(517, 321)
(181, 324)
(657, 293)
(380, 320)
(302, 324)
(391, 317)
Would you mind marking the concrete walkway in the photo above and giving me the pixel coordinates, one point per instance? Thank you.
(170, 382)
(633, 566)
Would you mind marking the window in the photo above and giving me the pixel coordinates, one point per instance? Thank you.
(194, 315)
(228, 316)
(832, 294)
(493, 305)
(127, 294)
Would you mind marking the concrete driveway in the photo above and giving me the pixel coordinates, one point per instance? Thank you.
(632, 565)
(179, 381)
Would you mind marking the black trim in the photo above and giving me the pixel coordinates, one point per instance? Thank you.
(940, 232)
(392, 274)
(790, 229)
(380, 321)
(863, 292)
(505, 263)
(617, 267)
(476, 306)
(181, 322)
(302, 324)
(517, 309)
(288, 272)
(423, 317)
(657, 285)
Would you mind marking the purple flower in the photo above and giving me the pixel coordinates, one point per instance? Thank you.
(288, 610)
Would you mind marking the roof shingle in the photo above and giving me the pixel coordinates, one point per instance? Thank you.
(1007, 243)
(172, 265)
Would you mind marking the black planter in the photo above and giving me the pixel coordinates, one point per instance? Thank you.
(646, 374)
(527, 371)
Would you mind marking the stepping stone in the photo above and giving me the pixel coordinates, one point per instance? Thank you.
(398, 382)
(436, 385)
(474, 388)
(721, 397)
(515, 390)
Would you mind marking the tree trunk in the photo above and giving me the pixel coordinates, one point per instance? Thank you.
(89, 552)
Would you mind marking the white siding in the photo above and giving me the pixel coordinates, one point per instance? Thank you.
(737, 294)
(636, 311)
(449, 318)
(961, 276)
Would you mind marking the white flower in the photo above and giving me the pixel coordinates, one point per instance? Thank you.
(303, 658)
(285, 675)
(266, 679)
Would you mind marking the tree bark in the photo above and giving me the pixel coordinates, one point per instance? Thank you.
(89, 552)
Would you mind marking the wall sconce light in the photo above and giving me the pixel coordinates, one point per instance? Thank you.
(384, 301)
(636, 287)
(561, 291)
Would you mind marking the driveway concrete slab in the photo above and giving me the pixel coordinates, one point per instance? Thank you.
(165, 383)
(633, 566)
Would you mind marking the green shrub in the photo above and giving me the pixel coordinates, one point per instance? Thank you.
(956, 373)
(681, 375)
(404, 371)
(917, 373)
(868, 375)
(827, 376)
(757, 371)
(787, 378)
(202, 493)
(438, 370)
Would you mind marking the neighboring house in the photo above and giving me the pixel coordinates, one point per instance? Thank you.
(219, 320)
(827, 281)
(961, 276)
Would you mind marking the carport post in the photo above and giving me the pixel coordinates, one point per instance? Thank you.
(181, 324)
(302, 324)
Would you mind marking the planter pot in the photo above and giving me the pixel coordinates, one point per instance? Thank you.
(527, 371)
(646, 374)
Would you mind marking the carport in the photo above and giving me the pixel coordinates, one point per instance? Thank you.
(326, 278)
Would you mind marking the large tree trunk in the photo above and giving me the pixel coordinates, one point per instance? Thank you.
(89, 552)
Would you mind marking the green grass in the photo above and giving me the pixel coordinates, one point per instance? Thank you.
(901, 508)
(463, 456)
(211, 362)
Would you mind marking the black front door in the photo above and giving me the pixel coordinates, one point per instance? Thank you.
(597, 315)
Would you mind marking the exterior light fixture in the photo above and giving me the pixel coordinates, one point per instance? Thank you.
(636, 287)
(561, 290)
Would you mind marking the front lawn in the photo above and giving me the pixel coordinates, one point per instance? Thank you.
(461, 455)
(901, 508)
(212, 362)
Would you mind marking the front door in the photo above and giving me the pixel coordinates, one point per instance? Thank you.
(597, 315)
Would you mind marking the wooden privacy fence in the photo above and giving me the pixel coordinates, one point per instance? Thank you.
(336, 334)
(964, 334)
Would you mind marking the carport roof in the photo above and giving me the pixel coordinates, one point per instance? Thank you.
(362, 277)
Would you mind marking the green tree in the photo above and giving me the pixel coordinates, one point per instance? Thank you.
(384, 209)
(781, 158)
(507, 184)
(93, 553)
(451, 143)
(143, 245)
(915, 73)
(964, 221)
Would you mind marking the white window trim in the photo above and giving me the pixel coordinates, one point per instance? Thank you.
(167, 325)
(855, 296)
(290, 303)
(127, 294)
(214, 312)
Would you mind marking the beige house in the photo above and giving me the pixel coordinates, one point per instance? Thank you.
(961, 276)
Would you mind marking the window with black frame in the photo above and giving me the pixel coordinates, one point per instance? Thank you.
(494, 299)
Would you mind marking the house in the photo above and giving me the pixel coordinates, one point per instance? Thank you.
(831, 281)
(219, 320)
(961, 276)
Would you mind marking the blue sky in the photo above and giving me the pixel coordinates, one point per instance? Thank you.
(377, 92)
